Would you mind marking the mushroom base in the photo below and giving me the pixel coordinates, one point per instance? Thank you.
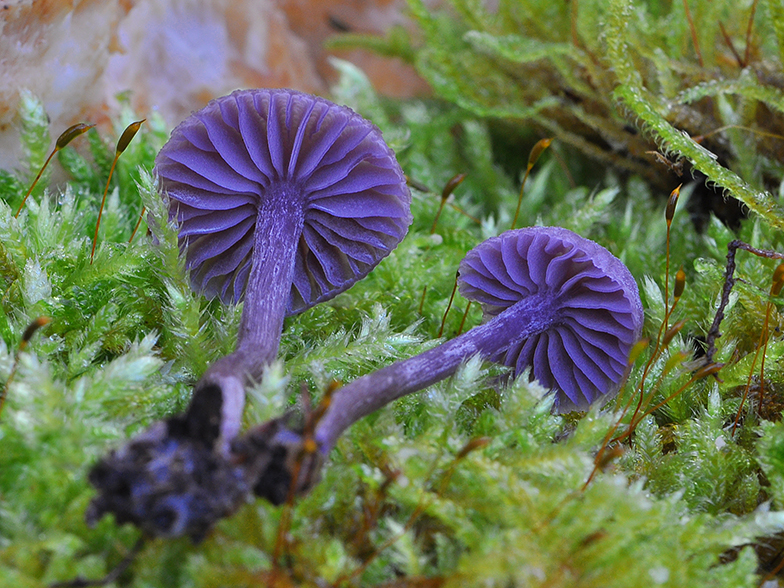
(170, 483)
(167, 484)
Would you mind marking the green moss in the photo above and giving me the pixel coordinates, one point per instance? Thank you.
(401, 502)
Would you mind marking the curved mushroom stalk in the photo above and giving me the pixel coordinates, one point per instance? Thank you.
(556, 302)
(283, 200)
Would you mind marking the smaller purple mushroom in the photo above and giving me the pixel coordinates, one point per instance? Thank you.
(556, 302)
(587, 315)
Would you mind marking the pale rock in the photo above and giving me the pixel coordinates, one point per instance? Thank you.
(173, 56)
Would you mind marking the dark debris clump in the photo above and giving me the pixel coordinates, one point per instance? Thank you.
(166, 484)
(170, 482)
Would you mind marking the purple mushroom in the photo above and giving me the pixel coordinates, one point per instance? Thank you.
(557, 302)
(586, 315)
(283, 200)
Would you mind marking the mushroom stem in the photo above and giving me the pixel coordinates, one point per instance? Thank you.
(373, 391)
(279, 220)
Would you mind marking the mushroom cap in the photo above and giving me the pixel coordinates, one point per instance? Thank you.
(223, 161)
(596, 313)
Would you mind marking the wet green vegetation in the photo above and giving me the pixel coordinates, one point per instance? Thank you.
(473, 482)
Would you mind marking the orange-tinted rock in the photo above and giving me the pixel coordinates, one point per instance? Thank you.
(175, 55)
(60, 54)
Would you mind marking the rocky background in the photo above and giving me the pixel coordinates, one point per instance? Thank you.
(172, 56)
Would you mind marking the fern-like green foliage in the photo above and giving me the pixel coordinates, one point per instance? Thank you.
(698, 80)
(473, 482)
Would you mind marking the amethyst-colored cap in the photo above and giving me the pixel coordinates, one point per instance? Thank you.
(343, 183)
(591, 318)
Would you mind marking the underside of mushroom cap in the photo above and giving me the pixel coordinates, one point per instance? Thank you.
(223, 161)
(596, 312)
